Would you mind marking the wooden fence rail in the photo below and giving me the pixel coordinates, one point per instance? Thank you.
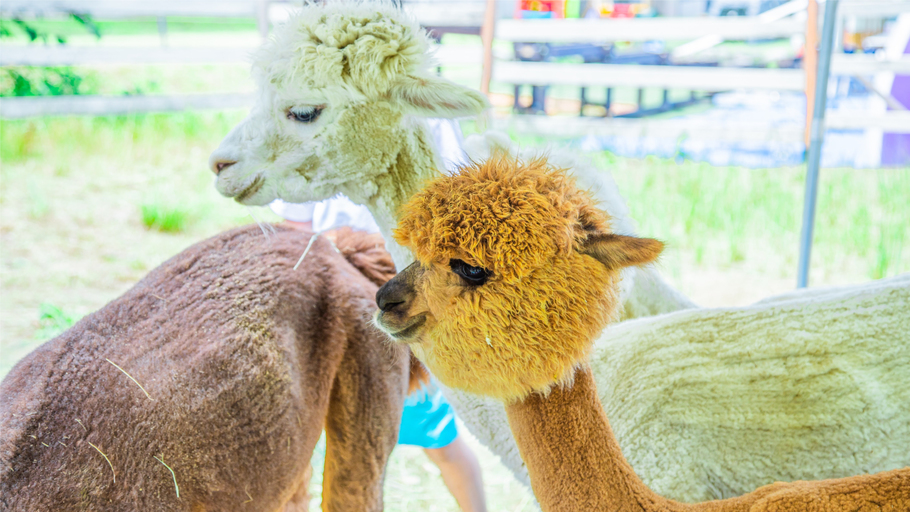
(698, 78)
(89, 55)
(23, 107)
(120, 9)
(564, 127)
(641, 29)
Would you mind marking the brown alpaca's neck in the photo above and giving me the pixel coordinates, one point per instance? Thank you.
(573, 459)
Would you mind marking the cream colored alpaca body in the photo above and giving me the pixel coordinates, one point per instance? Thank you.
(374, 148)
(820, 380)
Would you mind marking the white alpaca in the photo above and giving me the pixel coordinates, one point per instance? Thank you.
(342, 90)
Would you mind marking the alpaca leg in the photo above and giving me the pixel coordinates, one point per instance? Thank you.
(362, 424)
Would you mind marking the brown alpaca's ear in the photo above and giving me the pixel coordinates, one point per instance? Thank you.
(618, 251)
(431, 96)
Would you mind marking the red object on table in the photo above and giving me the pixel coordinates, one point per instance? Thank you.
(556, 7)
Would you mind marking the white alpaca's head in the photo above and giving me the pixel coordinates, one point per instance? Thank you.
(339, 86)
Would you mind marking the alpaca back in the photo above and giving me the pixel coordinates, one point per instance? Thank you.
(236, 353)
(366, 251)
(800, 399)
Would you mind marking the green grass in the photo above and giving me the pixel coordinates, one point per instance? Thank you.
(45, 81)
(71, 30)
(52, 321)
(124, 80)
(726, 216)
(167, 218)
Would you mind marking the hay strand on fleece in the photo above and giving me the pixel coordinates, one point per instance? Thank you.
(107, 459)
(131, 378)
(305, 251)
(177, 489)
(262, 225)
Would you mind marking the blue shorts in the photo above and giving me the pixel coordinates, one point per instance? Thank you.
(428, 420)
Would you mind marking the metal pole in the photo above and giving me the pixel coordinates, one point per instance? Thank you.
(816, 138)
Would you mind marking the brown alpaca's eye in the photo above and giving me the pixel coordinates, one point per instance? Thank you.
(304, 114)
(474, 276)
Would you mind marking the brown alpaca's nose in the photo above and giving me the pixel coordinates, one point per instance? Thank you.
(220, 165)
(386, 299)
(399, 290)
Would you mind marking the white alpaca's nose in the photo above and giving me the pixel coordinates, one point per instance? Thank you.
(220, 160)
(229, 151)
(220, 165)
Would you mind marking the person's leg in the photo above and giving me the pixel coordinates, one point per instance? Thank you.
(428, 421)
(461, 474)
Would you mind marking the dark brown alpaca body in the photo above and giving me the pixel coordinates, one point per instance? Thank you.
(575, 464)
(244, 360)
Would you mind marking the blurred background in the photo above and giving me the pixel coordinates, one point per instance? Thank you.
(698, 108)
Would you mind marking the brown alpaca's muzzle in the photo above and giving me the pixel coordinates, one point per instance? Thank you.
(400, 315)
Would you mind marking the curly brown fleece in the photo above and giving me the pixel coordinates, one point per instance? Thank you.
(522, 222)
(244, 360)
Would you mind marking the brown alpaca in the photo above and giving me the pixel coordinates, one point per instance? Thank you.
(241, 361)
(508, 256)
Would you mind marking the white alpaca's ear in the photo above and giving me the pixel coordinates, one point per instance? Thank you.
(431, 96)
(618, 251)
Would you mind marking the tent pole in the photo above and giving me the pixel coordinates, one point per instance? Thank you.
(816, 138)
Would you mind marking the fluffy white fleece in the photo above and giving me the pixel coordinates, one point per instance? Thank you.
(705, 403)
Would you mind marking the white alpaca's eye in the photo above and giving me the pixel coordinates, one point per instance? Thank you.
(304, 114)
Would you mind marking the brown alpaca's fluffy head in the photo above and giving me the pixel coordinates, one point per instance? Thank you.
(515, 277)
